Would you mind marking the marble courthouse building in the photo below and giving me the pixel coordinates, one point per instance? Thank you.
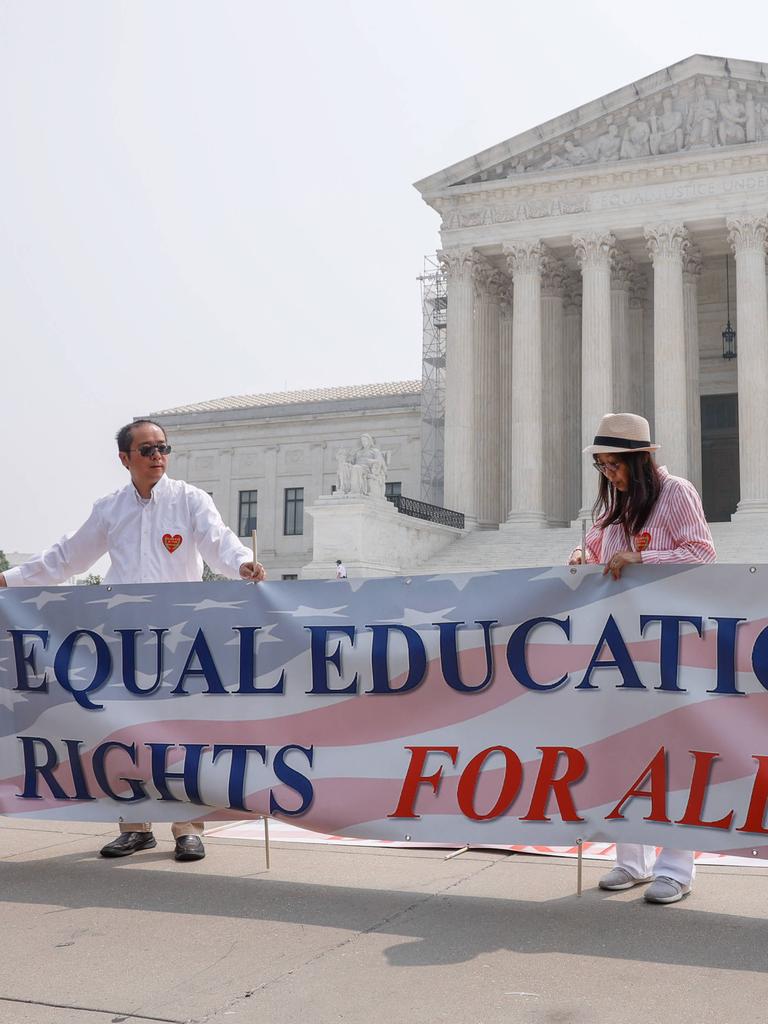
(592, 265)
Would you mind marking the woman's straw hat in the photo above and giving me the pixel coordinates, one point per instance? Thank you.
(622, 432)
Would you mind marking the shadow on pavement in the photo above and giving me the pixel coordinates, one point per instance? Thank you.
(436, 928)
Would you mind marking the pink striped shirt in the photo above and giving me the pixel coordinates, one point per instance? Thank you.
(675, 531)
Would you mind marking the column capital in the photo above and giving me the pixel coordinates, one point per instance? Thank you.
(692, 263)
(553, 275)
(488, 281)
(747, 233)
(666, 241)
(505, 300)
(572, 292)
(622, 266)
(638, 289)
(525, 257)
(594, 248)
(457, 260)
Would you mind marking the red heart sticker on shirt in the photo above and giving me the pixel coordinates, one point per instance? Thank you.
(172, 541)
(642, 540)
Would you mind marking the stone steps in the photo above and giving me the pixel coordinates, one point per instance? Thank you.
(525, 546)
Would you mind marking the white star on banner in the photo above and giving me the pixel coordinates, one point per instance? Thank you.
(173, 637)
(418, 617)
(304, 612)
(45, 597)
(9, 697)
(264, 636)
(118, 599)
(106, 636)
(203, 606)
(460, 579)
(571, 577)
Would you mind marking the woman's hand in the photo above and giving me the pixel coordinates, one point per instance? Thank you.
(253, 571)
(576, 559)
(617, 562)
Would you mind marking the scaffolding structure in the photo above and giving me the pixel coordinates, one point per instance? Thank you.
(434, 309)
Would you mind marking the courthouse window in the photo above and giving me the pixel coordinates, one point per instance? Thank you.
(293, 522)
(393, 489)
(247, 517)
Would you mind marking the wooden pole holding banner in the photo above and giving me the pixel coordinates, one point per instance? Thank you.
(265, 817)
(583, 541)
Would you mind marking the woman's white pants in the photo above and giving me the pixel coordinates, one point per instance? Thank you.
(642, 862)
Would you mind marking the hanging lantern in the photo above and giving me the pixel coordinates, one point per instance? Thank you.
(729, 335)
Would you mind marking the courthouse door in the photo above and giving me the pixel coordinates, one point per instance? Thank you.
(720, 456)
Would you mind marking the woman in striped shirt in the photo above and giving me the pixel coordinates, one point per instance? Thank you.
(643, 515)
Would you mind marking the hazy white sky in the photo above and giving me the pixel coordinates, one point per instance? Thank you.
(211, 198)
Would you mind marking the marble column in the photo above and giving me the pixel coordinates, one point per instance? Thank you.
(638, 288)
(527, 452)
(649, 389)
(621, 269)
(747, 236)
(226, 503)
(488, 283)
(554, 393)
(691, 274)
(506, 438)
(667, 244)
(594, 252)
(459, 488)
(572, 351)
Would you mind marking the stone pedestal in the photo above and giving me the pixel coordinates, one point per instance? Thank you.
(666, 245)
(748, 240)
(371, 537)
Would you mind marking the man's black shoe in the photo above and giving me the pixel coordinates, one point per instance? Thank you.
(189, 848)
(128, 843)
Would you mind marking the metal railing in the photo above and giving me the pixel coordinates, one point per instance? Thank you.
(423, 510)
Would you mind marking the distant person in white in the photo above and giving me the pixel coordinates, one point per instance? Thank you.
(155, 530)
(341, 570)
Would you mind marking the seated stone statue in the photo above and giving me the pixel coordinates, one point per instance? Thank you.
(363, 471)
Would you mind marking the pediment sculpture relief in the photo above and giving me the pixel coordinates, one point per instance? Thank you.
(693, 115)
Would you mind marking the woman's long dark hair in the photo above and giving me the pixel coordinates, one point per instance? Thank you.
(632, 507)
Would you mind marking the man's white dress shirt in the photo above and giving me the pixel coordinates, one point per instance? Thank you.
(160, 539)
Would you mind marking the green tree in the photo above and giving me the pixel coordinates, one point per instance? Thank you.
(209, 576)
(4, 563)
(92, 579)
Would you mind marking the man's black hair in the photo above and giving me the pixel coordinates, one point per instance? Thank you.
(124, 436)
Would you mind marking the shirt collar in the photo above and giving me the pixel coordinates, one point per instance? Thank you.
(157, 491)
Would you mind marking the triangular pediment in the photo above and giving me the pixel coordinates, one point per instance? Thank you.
(697, 104)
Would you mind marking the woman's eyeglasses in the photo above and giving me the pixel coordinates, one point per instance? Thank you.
(606, 467)
(149, 449)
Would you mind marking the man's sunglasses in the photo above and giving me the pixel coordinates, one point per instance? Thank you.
(148, 450)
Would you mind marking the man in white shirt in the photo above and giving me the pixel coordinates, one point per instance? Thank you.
(341, 570)
(155, 530)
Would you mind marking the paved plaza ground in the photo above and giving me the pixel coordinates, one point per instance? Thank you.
(333, 934)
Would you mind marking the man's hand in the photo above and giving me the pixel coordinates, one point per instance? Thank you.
(253, 571)
(575, 559)
(619, 560)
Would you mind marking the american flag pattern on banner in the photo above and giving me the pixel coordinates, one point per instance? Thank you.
(360, 741)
